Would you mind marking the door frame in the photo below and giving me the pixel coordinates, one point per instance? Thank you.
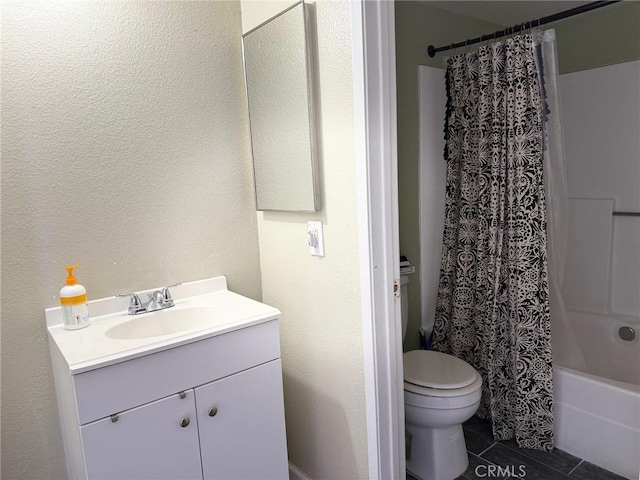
(373, 23)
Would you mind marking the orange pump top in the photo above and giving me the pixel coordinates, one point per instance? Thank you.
(71, 280)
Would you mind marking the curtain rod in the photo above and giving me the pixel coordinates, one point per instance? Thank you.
(431, 50)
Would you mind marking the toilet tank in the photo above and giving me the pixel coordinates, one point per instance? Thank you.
(404, 303)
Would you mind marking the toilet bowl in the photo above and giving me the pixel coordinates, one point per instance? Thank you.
(440, 392)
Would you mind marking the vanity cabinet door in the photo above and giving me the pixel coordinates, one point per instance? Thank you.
(241, 425)
(158, 440)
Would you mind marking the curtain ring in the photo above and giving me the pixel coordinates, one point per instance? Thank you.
(495, 36)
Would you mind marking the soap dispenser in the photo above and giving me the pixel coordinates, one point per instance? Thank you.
(73, 298)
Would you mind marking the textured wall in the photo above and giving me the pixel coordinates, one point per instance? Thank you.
(125, 149)
(606, 36)
(321, 329)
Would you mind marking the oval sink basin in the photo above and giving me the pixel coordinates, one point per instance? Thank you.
(165, 322)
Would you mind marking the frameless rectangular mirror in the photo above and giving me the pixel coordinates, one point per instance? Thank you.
(279, 85)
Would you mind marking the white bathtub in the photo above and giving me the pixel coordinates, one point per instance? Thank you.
(597, 412)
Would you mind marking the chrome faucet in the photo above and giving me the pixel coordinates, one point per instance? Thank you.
(158, 300)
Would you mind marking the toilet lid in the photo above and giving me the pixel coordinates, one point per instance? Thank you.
(431, 369)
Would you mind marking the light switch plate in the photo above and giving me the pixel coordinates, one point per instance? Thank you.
(315, 238)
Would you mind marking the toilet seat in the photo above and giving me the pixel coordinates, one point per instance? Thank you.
(438, 375)
(442, 393)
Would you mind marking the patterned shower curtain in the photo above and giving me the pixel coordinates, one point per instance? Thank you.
(493, 300)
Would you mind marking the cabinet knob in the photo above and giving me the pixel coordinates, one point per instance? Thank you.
(212, 411)
(184, 422)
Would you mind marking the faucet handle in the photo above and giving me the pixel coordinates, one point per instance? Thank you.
(135, 305)
(156, 296)
(166, 295)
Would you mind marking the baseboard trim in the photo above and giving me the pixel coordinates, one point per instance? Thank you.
(296, 474)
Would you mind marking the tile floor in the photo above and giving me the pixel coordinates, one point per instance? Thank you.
(536, 465)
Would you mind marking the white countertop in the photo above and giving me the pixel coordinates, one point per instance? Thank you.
(90, 348)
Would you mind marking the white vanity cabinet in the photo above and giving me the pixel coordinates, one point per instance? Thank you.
(241, 425)
(206, 404)
(232, 428)
(158, 440)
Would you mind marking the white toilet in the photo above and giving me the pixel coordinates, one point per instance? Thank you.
(440, 392)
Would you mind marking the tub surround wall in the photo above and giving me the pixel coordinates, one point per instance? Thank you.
(601, 120)
(605, 354)
(321, 323)
(125, 148)
(433, 180)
